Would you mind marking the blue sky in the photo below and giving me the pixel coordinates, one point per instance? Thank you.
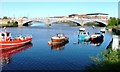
(45, 9)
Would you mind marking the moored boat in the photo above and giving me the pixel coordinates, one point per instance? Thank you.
(6, 41)
(96, 43)
(96, 37)
(59, 38)
(83, 34)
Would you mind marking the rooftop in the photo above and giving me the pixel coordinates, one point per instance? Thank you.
(97, 14)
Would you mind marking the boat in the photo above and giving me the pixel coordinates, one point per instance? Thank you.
(102, 30)
(96, 37)
(58, 39)
(5, 55)
(7, 41)
(96, 43)
(83, 34)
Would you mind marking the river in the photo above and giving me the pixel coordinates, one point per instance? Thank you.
(39, 55)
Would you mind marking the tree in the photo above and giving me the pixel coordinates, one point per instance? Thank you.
(5, 17)
(25, 17)
(112, 21)
(118, 21)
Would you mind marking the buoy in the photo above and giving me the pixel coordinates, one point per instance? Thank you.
(74, 42)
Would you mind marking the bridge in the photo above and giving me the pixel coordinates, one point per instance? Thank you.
(76, 18)
(78, 21)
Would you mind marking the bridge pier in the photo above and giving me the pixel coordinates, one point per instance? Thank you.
(20, 23)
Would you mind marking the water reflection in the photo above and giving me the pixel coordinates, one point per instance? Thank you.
(83, 42)
(60, 46)
(5, 56)
(94, 42)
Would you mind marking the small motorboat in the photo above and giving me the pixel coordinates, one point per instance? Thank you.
(6, 41)
(83, 34)
(96, 43)
(102, 30)
(96, 37)
(59, 38)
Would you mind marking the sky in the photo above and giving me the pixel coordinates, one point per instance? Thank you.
(48, 9)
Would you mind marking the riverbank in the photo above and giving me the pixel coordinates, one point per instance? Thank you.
(114, 29)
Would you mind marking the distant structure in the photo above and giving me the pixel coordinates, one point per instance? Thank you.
(79, 19)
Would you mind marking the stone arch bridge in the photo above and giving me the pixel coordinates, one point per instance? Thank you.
(49, 21)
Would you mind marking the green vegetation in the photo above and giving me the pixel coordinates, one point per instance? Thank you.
(5, 17)
(25, 17)
(113, 22)
(92, 23)
(66, 21)
(106, 61)
(12, 24)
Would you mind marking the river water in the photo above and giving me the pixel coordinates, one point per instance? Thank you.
(75, 55)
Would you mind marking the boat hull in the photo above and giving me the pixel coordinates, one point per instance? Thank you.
(14, 43)
(97, 38)
(83, 37)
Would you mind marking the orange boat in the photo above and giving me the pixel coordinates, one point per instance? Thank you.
(6, 41)
(59, 38)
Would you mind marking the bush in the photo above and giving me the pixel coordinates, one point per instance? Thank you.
(12, 24)
(5, 17)
(108, 60)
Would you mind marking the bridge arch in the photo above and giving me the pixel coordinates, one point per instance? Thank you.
(78, 23)
(27, 23)
(100, 23)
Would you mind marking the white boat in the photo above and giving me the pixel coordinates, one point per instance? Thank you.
(97, 37)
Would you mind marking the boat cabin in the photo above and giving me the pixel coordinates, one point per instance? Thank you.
(82, 29)
(60, 35)
(5, 36)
